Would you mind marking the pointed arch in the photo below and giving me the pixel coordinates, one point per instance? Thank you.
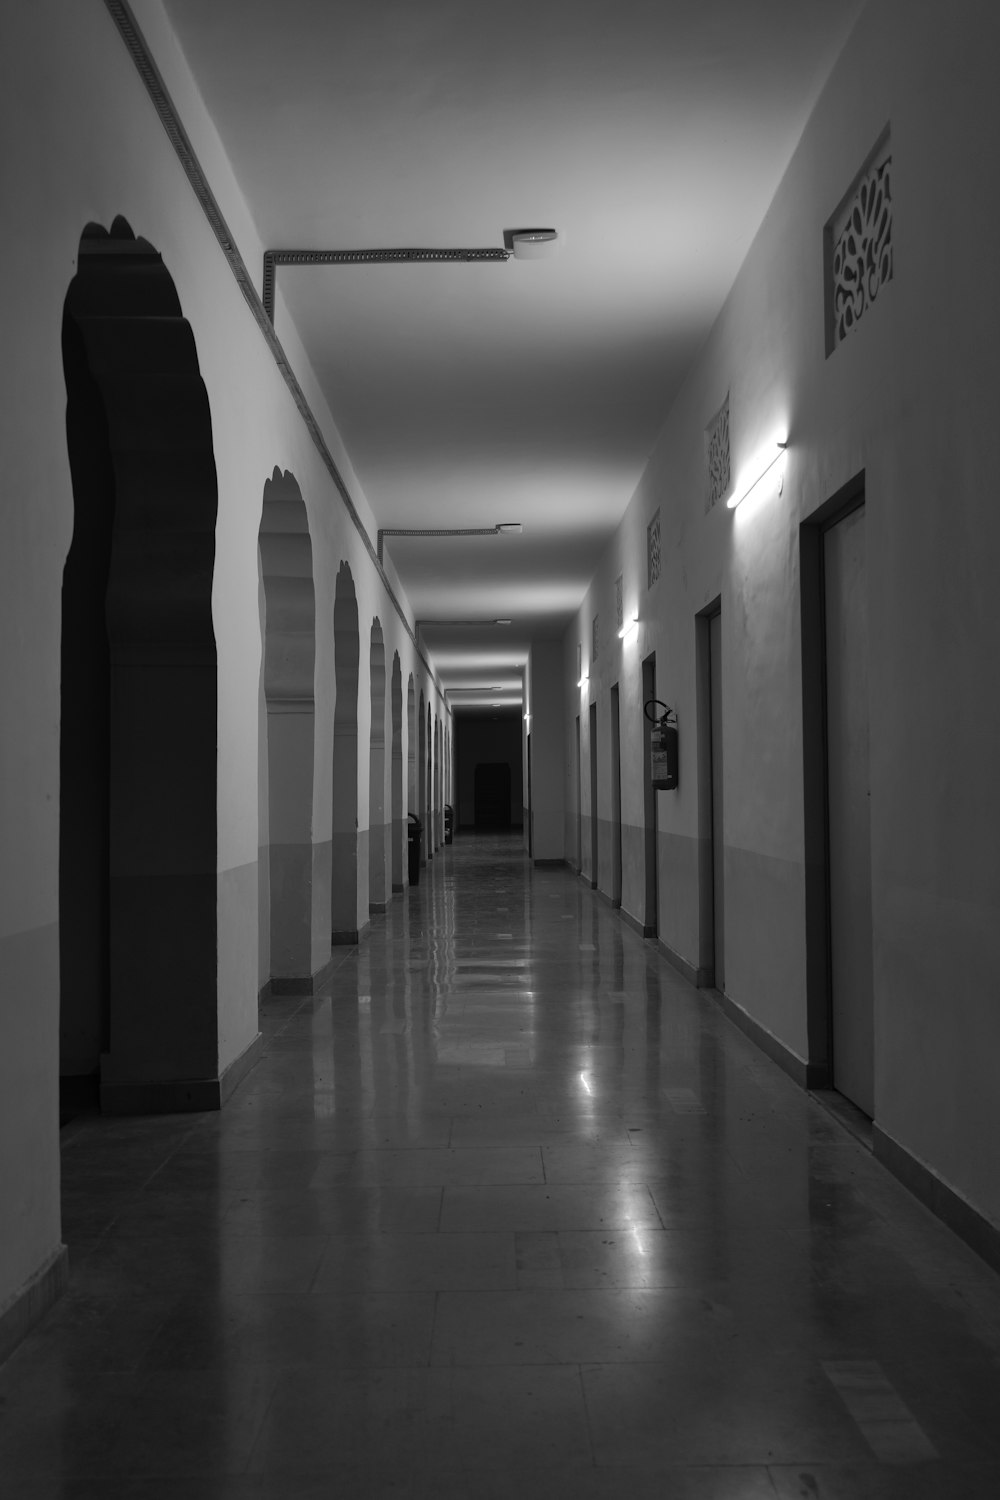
(396, 777)
(422, 774)
(378, 829)
(298, 945)
(138, 762)
(346, 880)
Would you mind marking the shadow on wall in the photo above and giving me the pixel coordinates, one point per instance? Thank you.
(137, 843)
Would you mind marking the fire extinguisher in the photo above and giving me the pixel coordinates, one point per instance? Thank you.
(662, 745)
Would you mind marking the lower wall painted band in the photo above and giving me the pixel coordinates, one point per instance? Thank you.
(967, 1222)
(551, 864)
(180, 1095)
(28, 1306)
(376, 908)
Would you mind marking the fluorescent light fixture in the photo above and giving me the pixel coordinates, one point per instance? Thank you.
(584, 680)
(628, 627)
(748, 489)
(503, 622)
(509, 528)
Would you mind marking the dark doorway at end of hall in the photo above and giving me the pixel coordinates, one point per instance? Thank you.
(489, 776)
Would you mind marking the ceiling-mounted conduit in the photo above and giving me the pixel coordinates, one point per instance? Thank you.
(502, 528)
(275, 258)
(138, 50)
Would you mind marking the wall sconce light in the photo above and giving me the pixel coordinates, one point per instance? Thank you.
(584, 680)
(628, 627)
(741, 495)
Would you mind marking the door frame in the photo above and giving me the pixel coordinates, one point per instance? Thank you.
(812, 593)
(706, 796)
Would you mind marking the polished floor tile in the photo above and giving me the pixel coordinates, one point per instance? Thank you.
(507, 1210)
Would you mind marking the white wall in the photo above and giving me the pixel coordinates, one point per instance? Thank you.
(910, 399)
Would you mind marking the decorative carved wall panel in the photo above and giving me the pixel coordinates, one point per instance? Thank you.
(717, 456)
(653, 550)
(859, 248)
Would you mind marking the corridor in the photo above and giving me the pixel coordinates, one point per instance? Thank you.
(509, 1210)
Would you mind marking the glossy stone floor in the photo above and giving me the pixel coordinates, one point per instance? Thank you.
(511, 1211)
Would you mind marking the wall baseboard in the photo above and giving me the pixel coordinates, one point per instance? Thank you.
(27, 1307)
(174, 1096)
(398, 890)
(551, 864)
(352, 937)
(376, 908)
(304, 984)
(266, 992)
(702, 979)
(607, 900)
(796, 1067)
(950, 1207)
(237, 1070)
(635, 924)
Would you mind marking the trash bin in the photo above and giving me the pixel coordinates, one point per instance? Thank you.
(414, 831)
(449, 822)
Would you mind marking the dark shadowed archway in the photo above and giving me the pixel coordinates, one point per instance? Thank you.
(291, 874)
(396, 777)
(378, 828)
(138, 804)
(422, 753)
(348, 878)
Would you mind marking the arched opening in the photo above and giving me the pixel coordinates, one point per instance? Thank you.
(348, 880)
(297, 945)
(412, 755)
(378, 831)
(422, 753)
(138, 732)
(396, 776)
(429, 789)
(438, 785)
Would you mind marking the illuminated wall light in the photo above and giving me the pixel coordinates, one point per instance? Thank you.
(628, 627)
(584, 680)
(741, 494)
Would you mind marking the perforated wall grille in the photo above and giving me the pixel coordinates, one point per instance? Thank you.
(619, 602)
(858, 247)
(717, 459)
(653, 550)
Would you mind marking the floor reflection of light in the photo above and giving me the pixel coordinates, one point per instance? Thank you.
(583, 1080)
(637, 1237)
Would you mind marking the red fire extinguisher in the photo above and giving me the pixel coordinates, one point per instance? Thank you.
(662, 745)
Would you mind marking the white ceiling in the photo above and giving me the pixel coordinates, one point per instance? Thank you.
(651, 133)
